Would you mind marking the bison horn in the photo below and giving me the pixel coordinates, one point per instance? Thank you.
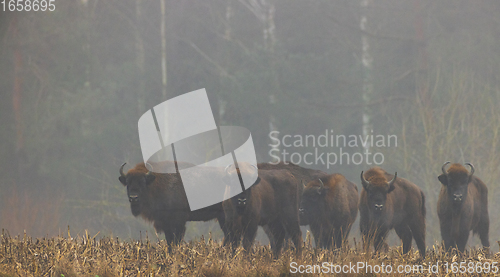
(150, 165)
(443, 168)
(365, 183)
(471, 169)
(227, 167)
(393, 179)
(121, 170)
(256, 169)
(322, 185)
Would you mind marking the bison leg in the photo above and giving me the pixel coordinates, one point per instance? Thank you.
(446, 235)
(249, 235)
(366, 236)
(418, 231)
(404, 233)
(233, 233)
(483, 231)
(222, 224)
(341, 234)
(337, 238)
(292, 228)
(174, 235)
(232, 238)
(278, 233)
(463, 237)
(316, 232)
(327, 238)
(379, 241)
(374, 234)
(173, 229)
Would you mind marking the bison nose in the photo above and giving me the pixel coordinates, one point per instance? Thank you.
(242, 201)
(457, 197)
(378, 207)
(133, 198)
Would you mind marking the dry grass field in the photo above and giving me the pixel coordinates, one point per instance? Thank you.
(106, 257)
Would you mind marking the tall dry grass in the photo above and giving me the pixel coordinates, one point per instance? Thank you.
(89, 256)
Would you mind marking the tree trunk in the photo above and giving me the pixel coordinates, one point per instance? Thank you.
(139, 58)
(367, 64)
(421, 77)
(163, 51)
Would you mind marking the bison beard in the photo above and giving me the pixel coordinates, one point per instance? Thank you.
(385, 205)
(329, 205)
(160, 198)
(462, 207)
(271, 203)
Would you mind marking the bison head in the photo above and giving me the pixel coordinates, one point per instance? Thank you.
(456, 180)
(377, 189)
(136, 183)
(240, 200)
(311, 204)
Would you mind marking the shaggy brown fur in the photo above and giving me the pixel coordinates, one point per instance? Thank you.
(462, 207)
(271, 203)
(301, 173)
(329, 205)
(160, 198)
(384, 206)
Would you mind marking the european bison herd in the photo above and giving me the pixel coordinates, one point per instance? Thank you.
(286, 196)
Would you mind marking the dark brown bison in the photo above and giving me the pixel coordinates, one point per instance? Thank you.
(272, 202)
(301, 173)
(385, 204)
(160, 198)
(462, 206)
(329, 206)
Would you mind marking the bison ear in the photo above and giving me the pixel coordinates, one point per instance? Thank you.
(443, 179)
(321, 190)
(123, 180)
(150, 178)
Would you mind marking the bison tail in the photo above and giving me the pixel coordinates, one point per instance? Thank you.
(423, 203)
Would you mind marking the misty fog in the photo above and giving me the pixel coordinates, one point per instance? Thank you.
(406, 85)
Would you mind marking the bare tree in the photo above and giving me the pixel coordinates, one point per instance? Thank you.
(163, 50)
(139, 59)
(264, 11)
(367, 64)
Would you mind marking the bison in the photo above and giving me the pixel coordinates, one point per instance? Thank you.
(301, 173)
(160, 198)
(329, 206)
(272, 203)
(462, 206)
(385, 205)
